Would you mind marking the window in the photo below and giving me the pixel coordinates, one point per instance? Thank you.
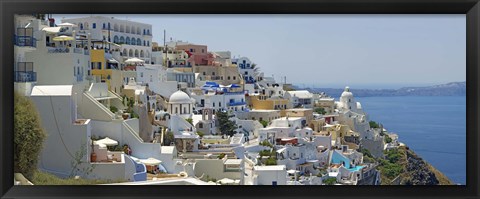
(141, 74)
(184, 109)
(176, 109)
(228, 78)
(203, 50)
(200, 125)
(234, 78)
(213, 104)
(191, 50)
(220, 104)
(103, 26)
(94, 25)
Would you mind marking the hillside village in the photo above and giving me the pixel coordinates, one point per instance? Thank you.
(176, 113)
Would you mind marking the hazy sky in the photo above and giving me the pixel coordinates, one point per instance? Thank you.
(367, 51)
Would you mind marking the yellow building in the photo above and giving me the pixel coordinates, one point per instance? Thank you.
(328, 104)
(307, 113)
(261, 102)
(101, 68)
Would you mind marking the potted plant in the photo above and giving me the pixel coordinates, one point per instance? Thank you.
(93, 155)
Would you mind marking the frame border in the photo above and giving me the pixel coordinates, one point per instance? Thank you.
(469, 7)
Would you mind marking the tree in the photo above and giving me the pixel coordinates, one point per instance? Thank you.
(190, 120)
(330, 181)
(373, 124)
(113, 109)
(168, 138)
(227, 126)
(264, 123)
(28, 136)
(320, 110)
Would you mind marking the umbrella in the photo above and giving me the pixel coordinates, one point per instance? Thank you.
(63, 38)
(150, 161)
(67, 24)
(134, 60)
(227, 181)
(234, 86)
(291, 171)
(107, 142)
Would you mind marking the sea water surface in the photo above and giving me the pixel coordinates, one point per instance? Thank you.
(434, 127)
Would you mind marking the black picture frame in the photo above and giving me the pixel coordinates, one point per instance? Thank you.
(469, 7)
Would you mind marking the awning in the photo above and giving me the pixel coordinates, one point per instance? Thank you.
(226, 181)
(67, 24)
(113, 61)
(134, 60)
(107, 142)
(63, 38)
(150, 161)
(52, 29)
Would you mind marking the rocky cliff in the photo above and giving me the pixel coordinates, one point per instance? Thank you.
(449, 89)
(402, 166)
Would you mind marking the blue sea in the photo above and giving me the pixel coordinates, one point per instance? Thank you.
(434, 127)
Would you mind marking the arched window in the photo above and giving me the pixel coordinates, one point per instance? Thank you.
(94, 25)
(115, 27)
(127, 40)
(148, 32)
(124, 52)
(144, 32)
(122, 39)
(148, 54)
(133, 30)
(130, 53)
(115, 39)
(133, 42)
(139, 42)
(136, 52)
(142, 54)
(144, 43)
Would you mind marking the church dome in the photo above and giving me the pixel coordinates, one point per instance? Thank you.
(180, 97)
(346, 93)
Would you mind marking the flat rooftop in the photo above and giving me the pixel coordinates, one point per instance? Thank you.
(270, 168)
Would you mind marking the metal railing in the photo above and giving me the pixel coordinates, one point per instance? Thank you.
(236, 103)
(25, 76)
(58, 50)
(25, 41)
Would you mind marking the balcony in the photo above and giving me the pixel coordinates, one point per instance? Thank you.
(79, 77)
(236, 103)
(58, 50)
(25, 41)
(25, 76)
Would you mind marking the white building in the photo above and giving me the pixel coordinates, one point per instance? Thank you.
(180, 104)
(301, 98)
(270, 175)
(135, 38)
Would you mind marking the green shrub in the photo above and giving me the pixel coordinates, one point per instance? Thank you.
(113, 109)
(271, 161)
(201, 134)
(221, 156)
(330, 181)
(266, 143)
(373, 124)
(266, 153)
(28, 136)
(388, 139)
(264, 123)
(189, 120)
(320, 110)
